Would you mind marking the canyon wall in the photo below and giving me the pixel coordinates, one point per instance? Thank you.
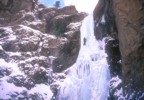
(125, 24)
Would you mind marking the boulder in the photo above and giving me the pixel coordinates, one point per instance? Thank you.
(57, 25)
(68, 10)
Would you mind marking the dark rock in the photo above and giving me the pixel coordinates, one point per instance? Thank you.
(4, 71)
(114, 61)
(110, 22)
(104, 19)
(99, 10)
(99, 26)
(57, 23)
(6, 5)
(100, 31)
(39, 75)
(4, 55)
(21, 81)
(21, 5)
(36, 70)
(67, 57)
(114, 57)
(3, 33)
(68, 52)
(10, 46)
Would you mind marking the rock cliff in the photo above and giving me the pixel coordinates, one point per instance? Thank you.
(124, 22)
(37, 41)
(130, 24)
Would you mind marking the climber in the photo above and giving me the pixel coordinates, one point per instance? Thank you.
(84, 39)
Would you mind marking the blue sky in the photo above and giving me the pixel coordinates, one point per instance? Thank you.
(51, 2)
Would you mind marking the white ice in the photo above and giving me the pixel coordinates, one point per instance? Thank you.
(88, 78)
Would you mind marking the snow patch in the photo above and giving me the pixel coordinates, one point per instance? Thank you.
(42, 89)
(12, 66)
(33, 58)
(14, 53)
(142, 96)
(115, 81)
(28, 29)
(6, 89)
(119, 94)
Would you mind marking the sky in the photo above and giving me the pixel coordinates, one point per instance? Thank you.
(52, 2)
(81, 5)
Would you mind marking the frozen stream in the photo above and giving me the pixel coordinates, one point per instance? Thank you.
(88, 78)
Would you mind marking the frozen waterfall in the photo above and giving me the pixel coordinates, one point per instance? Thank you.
(88, 78)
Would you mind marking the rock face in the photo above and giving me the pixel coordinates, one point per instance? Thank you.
(65, 24)
(124, 22)
(130, 23)
(34, 42)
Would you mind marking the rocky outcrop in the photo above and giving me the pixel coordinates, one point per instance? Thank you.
(65, 24)
(35, 44)
(58, 21)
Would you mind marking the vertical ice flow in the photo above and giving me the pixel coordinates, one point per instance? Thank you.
(88, 78)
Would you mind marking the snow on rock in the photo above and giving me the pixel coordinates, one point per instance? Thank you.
(119, 93)
(7, 89)
(42, 89)
(116, 89)
(115, 81)
(29, 53)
